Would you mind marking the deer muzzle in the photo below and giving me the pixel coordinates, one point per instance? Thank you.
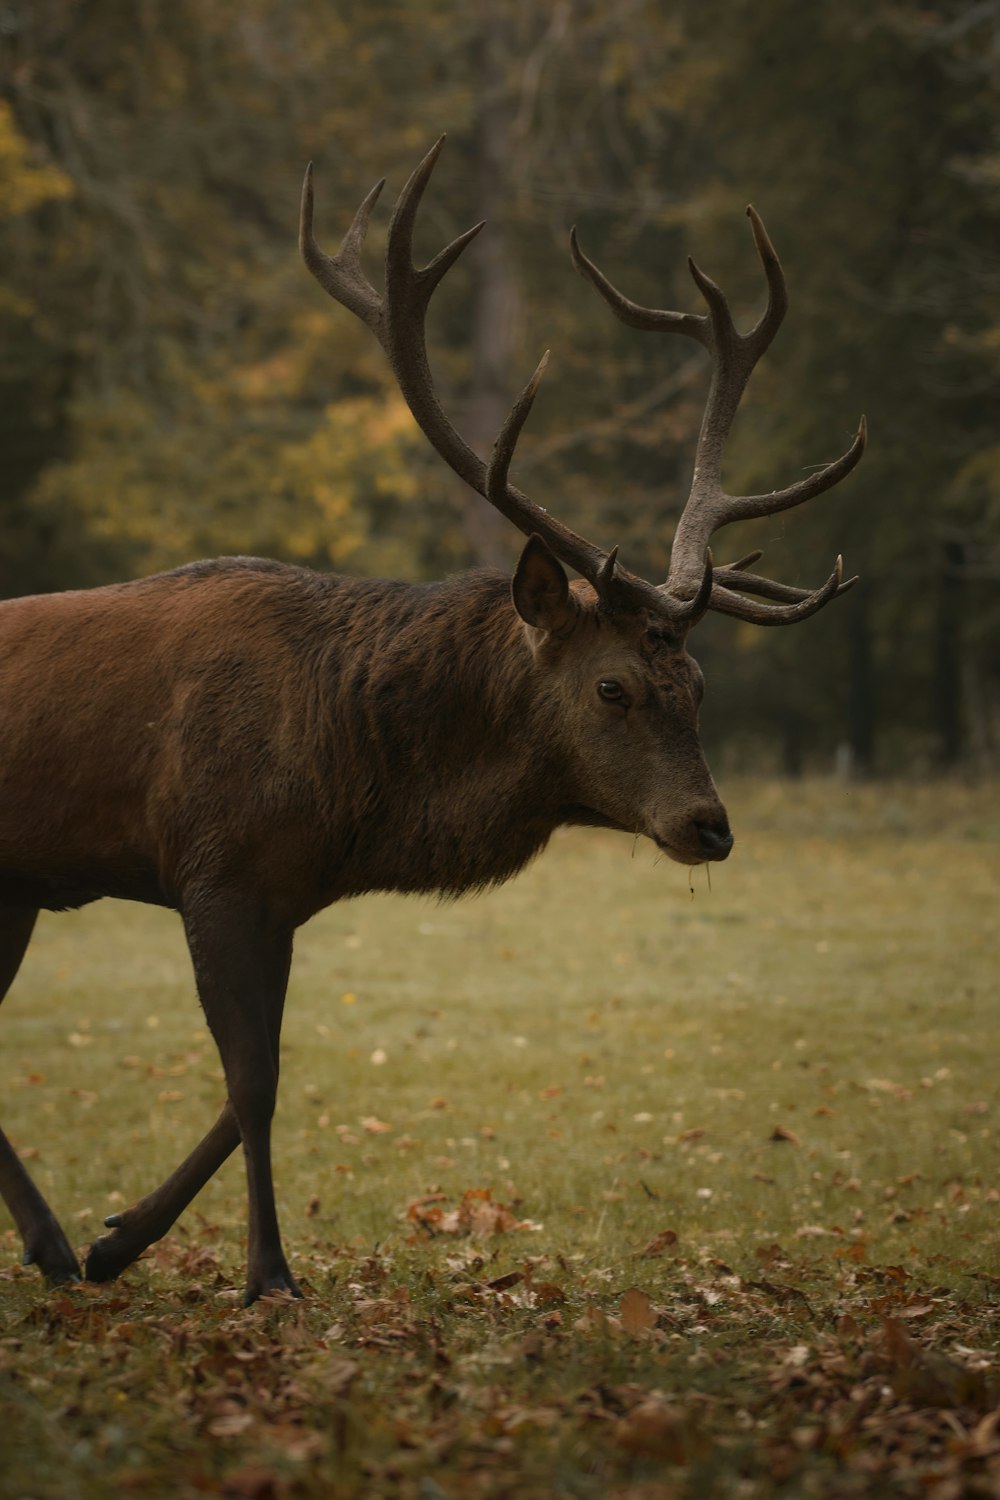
(715, 839)
(701, 837)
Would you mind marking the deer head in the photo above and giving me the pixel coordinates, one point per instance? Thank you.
(611, 649)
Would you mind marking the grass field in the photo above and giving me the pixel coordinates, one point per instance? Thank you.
(609, 1183)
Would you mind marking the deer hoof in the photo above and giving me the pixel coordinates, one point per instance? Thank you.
(50, 1252)
(64, 1276)
(58, 1265)
(107, 1259)
(283, 1283)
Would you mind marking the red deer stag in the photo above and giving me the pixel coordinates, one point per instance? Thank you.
(246, 742)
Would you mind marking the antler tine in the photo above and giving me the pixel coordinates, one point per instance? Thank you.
(777, 291)
(737, 581)
(341, 274)
(498, 491)
(403, 280)
(744, 562)
(615, 588)
(407, 294)
(781, 614)
(647, 319)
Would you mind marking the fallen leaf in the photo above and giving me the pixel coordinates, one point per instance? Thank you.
(659, 1243)
(636, 1312)
(501, 1283)
(477, 1215)
(928, 1378)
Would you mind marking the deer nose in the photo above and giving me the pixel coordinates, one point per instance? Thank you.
(715, 839)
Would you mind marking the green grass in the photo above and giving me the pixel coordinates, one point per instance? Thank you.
(793, 1072)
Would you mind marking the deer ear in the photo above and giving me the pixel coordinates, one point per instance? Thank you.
(540, 588)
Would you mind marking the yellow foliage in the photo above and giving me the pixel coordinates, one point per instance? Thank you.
(25, 182)
(211, 480)
(363, 445)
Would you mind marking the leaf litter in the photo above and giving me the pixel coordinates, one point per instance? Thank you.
(450, 1355)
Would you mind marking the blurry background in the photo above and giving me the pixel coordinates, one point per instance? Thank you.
(174, 385)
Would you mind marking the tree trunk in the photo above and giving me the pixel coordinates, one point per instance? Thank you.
(792, 759)
(947, 656)
(491, 539)
(861, 714)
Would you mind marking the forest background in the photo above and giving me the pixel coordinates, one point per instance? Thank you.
(173, 385)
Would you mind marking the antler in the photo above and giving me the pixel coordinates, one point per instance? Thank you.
(708, 507)
(397, 320)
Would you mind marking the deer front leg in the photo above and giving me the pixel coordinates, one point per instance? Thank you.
(45, 1245)
(138, 1227)
(241, 962)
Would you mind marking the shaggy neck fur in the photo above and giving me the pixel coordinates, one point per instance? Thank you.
(442, 777)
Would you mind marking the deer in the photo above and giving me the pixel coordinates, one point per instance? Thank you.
(245, 741)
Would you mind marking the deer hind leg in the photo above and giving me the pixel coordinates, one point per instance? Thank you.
(150, 1218)
(140, 1226)
(45, 1245)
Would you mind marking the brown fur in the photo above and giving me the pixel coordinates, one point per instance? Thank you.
(247, 742)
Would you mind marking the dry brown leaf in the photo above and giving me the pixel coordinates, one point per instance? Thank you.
(929, 1378)
(636, 1312)
(501, 1283)
(983, 1437)
(477, 1215)
(593, 1319)
(659, 1243)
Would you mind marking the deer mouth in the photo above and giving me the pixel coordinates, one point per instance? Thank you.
(709, 845)
(679, 856)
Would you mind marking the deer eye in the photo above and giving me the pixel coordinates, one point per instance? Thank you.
(611, 691)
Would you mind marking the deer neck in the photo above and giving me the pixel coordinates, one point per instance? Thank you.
(445, 778)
